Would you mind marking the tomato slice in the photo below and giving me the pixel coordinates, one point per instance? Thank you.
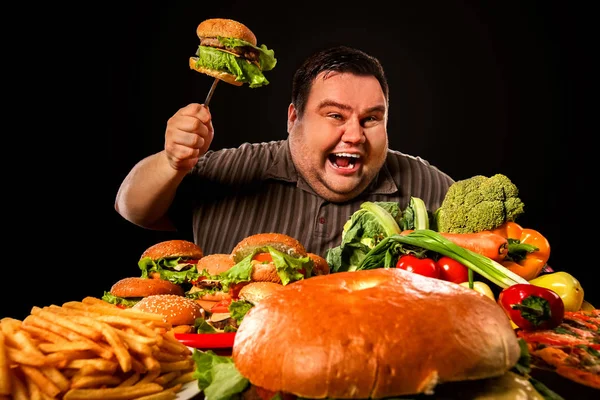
(221, 307)
(263, 257)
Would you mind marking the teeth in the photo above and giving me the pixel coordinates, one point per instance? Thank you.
(347, 155)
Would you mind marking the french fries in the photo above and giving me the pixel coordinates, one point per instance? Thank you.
(89, 349)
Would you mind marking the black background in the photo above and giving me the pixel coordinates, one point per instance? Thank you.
(476, 88)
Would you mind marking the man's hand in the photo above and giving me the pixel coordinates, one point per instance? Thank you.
(188, 136)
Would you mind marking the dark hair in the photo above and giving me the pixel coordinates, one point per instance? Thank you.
(335, 59)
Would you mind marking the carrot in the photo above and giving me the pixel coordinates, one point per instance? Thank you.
(489, 244)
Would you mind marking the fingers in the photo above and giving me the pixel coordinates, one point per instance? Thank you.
(188, 136)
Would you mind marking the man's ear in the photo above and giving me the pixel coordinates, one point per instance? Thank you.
(292, 117)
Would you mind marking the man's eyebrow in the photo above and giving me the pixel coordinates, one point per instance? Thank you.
(332, 103)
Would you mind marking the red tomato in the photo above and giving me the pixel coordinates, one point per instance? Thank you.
(421, 266)
(532, 307)
(221, 307)
(452, 271)
(263, 257)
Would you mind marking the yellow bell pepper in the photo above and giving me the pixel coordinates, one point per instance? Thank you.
(530, 264)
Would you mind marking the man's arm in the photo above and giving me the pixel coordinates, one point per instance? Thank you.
(148, 190)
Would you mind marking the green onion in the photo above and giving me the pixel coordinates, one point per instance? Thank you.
(420, 210)
(381, 255)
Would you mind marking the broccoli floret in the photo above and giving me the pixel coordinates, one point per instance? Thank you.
(479, 203)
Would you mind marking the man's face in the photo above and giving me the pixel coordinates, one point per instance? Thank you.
(340, 143)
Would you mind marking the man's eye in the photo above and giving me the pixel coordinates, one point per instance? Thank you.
(370, 120)
(335, 116)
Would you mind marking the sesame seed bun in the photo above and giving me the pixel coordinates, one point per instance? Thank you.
(284, 243)
(214, 264)
(255, 292)
(211, 28)
(142, 287)
(177, 310)
(172, 249)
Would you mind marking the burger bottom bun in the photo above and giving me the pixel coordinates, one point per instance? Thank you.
(177, 310)
(224, 76)
(388, 331)
(142, 287)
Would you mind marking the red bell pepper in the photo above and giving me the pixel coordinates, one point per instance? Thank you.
(532, 307)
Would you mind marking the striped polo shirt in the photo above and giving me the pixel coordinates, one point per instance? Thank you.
(237, 192)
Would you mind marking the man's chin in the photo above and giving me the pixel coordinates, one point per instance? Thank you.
(340, 189)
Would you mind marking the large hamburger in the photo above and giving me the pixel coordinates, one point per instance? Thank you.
(127, 292)
(172, 260)
(228, 51)
(377, 333)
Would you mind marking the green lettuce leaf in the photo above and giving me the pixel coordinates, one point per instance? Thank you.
(116, 300)
(243, 70)
(288, 268)
(217, 376)
(165, 267)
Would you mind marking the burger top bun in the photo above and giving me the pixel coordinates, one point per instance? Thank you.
(389, 332)
(320, 265)
(215, 263)
(142, 287)
(284, 243)
(211, 28)
(177, 310)
(255, 292)
(173, 248)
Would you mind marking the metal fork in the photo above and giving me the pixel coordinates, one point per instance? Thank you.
(211, 91)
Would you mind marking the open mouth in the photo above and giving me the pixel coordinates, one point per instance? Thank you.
(344, 160)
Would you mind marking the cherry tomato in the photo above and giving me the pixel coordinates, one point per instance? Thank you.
(263, 257)
(421, 266)
(532, 307)
(452, 271)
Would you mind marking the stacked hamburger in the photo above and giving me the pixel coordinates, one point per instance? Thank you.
(166, 268)
(222, 287)
(228, 51)
(230, 284)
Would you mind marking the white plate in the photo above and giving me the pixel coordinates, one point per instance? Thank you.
(188, 391)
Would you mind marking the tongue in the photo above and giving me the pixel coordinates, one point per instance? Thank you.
(342, 162)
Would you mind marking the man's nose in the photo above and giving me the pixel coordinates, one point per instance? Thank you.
(353, 132)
